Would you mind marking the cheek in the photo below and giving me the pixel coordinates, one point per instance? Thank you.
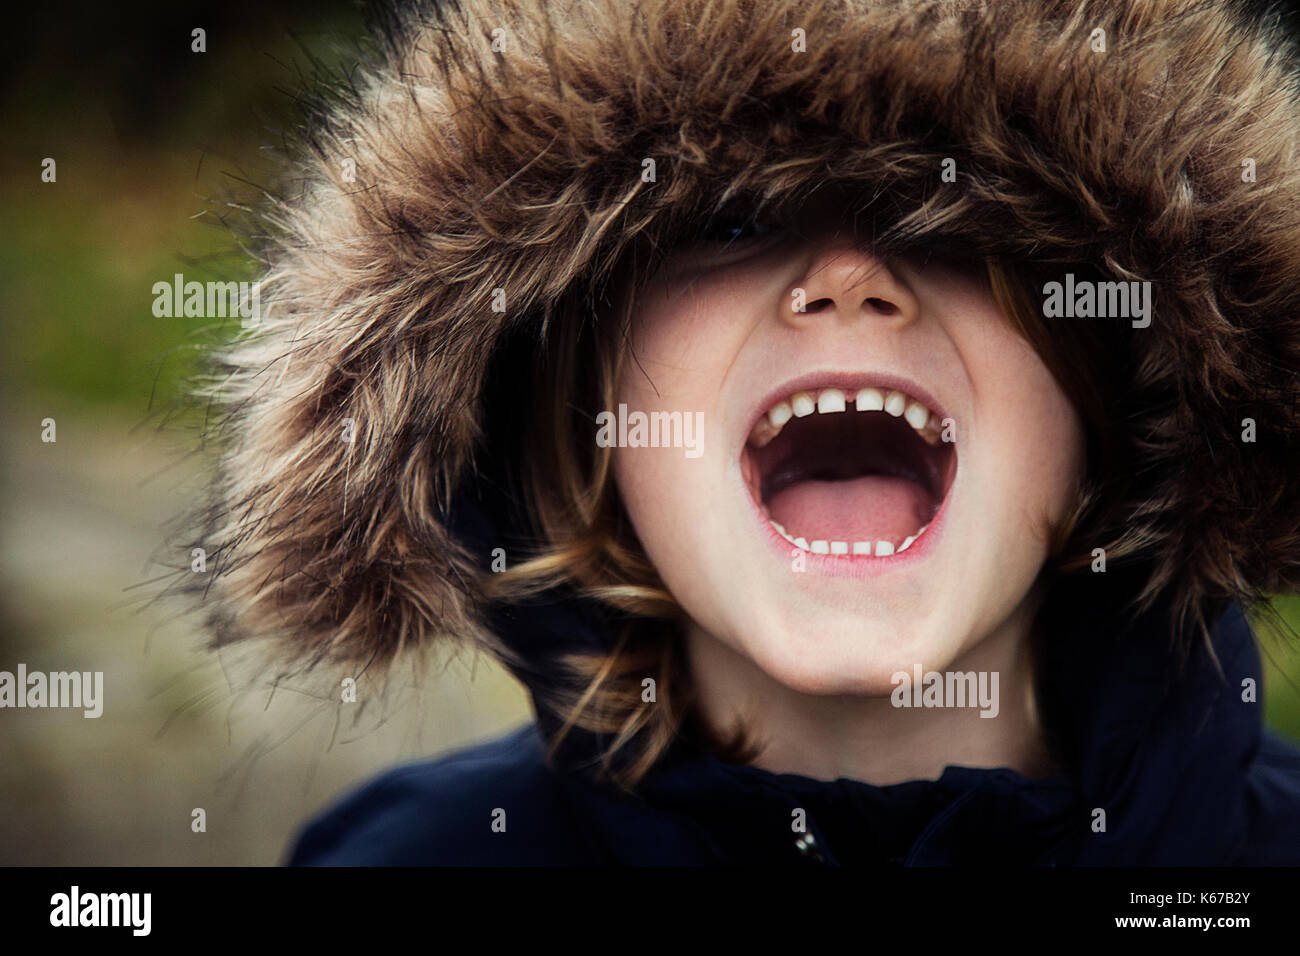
(677, 342)
(1037, 438)
(647, 483)
(683, 340)
(673, 364)
(666, 498)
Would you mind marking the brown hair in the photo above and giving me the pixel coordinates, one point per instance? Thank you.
(588, 542)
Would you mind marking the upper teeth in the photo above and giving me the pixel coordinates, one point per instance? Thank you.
(828, 400)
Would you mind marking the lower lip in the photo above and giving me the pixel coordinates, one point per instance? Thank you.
(858, 565)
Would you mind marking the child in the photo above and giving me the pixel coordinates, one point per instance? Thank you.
(859, 424)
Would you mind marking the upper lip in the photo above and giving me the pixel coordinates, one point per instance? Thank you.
(849, 382)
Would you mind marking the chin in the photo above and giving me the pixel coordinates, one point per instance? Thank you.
(844, 656)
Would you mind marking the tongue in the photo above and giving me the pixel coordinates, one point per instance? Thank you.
(870, 508)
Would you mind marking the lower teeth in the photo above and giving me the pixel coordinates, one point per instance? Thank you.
(879, 549)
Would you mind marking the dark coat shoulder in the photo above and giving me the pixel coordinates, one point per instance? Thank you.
(1273, 789)
(496, 803)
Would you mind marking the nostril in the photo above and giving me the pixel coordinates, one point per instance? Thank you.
(819, 305)
(883, 306)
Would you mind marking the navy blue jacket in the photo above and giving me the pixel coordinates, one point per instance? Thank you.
(1180, 764)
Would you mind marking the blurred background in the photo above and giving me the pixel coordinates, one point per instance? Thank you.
(151, 140)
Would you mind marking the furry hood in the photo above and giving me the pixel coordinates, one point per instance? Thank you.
(356, 412)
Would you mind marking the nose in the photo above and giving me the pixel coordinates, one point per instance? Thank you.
(844, 282)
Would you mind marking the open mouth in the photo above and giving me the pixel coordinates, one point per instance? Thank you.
(856, 472)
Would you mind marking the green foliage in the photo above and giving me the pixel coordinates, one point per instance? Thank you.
(1279, 641)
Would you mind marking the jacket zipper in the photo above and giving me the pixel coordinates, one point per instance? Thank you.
(806, 844)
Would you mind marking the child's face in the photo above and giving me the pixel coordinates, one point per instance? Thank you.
(716, 332)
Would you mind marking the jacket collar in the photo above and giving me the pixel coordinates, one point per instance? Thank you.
(752, 815)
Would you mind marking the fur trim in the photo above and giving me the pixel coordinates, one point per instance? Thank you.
(521, 170)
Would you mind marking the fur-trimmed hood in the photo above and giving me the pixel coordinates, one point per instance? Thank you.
(499, 149)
